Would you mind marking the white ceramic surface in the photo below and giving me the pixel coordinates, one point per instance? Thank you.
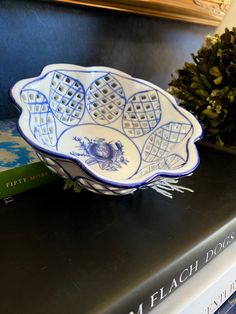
(104, 129)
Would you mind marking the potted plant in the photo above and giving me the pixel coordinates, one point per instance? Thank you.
(207, 88)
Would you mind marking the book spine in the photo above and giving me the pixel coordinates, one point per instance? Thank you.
(207, 291)
(162, 284)
(21, 179)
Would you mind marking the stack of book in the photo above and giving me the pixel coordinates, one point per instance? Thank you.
(135, 254)
(20, 168)
(208, 291)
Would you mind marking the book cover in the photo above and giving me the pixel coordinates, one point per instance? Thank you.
(229, 307)
(20, 168)
(207, 290)
(63, 252)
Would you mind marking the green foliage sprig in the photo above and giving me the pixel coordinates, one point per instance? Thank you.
(207, 87)
(69, 184)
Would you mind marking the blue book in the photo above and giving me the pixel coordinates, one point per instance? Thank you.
(229, 307)
(20, 168)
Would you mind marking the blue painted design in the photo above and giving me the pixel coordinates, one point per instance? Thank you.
(66, 98)
(41, 119)
(142, 113)
(109, 156)
(162, 141)
(105, 99)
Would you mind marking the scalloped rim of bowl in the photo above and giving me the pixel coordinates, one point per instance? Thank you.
(193, 159)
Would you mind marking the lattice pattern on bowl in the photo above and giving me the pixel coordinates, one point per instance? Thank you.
(105, 99)
(142, 113)
(163, 140)
(101, 188)
(42, 122)
(66, 98)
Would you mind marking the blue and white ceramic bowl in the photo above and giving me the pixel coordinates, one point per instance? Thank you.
(104, 129)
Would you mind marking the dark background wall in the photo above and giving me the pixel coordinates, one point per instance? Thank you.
(34, 34)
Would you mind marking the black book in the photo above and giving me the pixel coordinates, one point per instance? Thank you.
(68, 253)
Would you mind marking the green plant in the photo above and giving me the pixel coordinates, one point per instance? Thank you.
(69, 184)
(207, 87)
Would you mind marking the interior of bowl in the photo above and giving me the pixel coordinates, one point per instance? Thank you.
(119, 129)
